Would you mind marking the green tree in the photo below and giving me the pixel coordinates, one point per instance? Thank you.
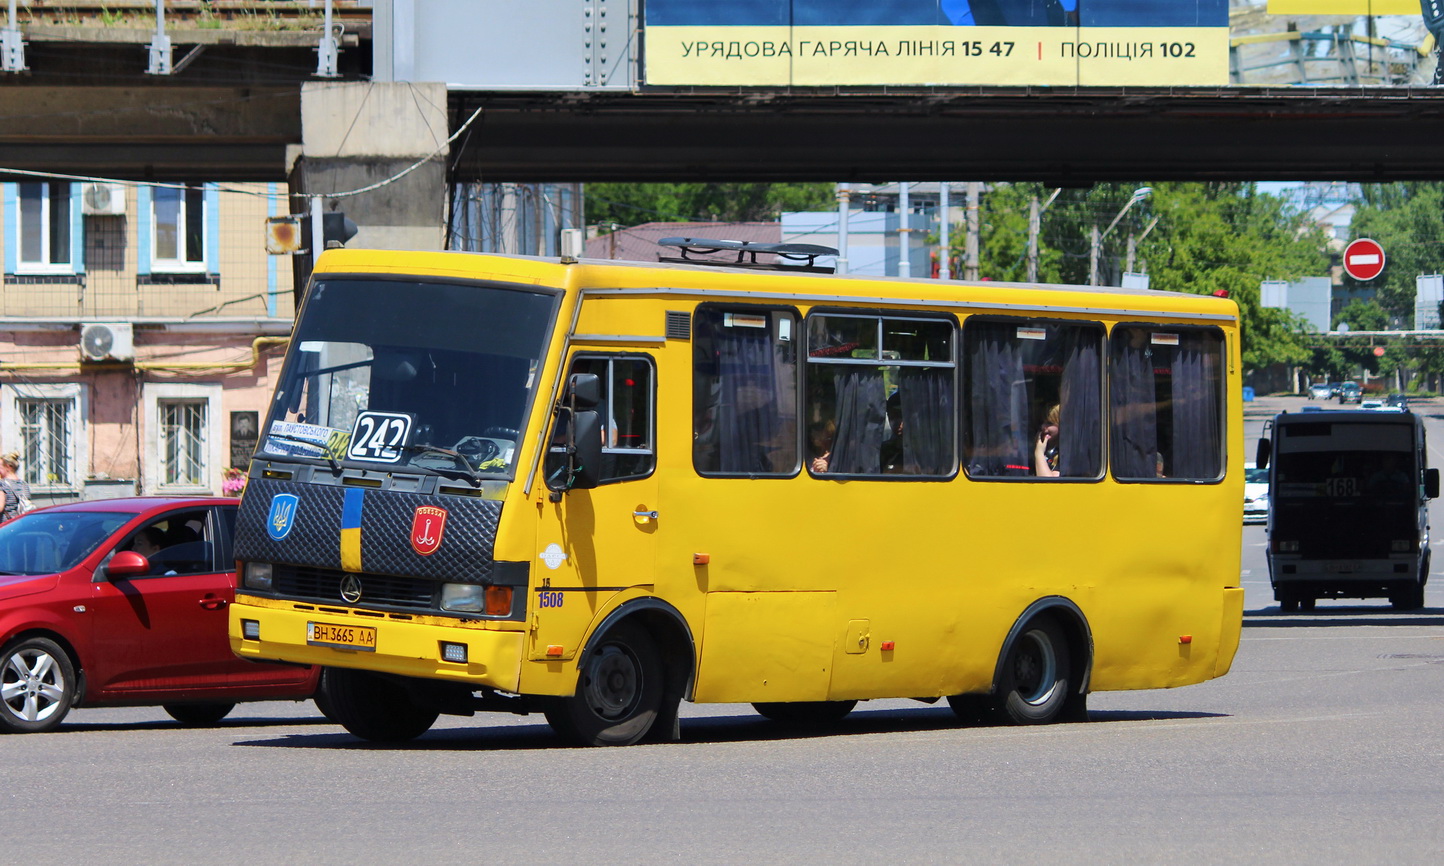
(1202, 238)
(1407, 219)
(630, 204)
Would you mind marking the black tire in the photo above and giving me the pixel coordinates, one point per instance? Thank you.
(806, 714)
(373, 707)
(619, 691)
(1307, 602)
(970, 709)
(1410, 597)
(1032, 686)
(37, 686)
(198, 715)
(1288, 603)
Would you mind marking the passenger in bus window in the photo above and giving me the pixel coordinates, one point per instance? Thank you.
(819, 440)
(892, 447)
(1045, 447)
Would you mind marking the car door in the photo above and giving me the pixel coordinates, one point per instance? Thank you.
(165, 632)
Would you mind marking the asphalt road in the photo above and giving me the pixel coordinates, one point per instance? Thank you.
(1322, 745)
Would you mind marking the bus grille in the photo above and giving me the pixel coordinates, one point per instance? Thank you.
(377, 590)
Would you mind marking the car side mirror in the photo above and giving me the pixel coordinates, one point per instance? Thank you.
(584, 390)
(127, 563)
(1265, 451)
(1431, 483)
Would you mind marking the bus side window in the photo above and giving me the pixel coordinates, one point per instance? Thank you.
(1167, 403)
(744, 391)
(1033, 392)
(628, 414)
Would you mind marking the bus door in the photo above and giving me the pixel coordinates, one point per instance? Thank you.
(602, 540)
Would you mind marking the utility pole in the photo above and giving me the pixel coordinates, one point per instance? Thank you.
(1095, 244)
(844, 203)
(1035, 220)
(970, 248)
(945, 271)
(904, 261)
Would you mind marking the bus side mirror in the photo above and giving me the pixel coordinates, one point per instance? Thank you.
(586, 450)
(584, 391)
(1265, 451)
(1431, 483)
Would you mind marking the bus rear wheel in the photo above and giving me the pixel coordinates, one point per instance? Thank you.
(619, 693)
(373, 707)
(806, 714)
(1032, 687)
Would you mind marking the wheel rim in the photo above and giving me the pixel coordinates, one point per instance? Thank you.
(1035, 668)
(33, 686)
(614, 682)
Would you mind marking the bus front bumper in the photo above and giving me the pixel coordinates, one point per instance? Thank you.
(419, 647)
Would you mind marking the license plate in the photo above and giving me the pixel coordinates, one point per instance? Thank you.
(1341, 567)
(356, 637)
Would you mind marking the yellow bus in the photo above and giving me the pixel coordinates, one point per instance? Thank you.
(593, 489)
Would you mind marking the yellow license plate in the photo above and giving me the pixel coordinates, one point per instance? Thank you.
(357, 637)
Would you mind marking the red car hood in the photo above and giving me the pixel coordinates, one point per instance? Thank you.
(17, 585)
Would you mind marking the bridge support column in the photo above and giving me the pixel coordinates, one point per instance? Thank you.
(358, 135)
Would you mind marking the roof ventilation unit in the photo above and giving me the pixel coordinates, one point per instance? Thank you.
(107, 341)
(103, 199)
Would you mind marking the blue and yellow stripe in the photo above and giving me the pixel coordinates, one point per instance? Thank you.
(351, 508)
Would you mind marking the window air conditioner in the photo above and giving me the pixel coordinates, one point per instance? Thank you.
(103, 199)
(107, 341)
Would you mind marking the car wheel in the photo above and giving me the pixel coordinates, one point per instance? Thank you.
(619, 691)
(198, 715)
(806, 714)
(37, 686)
(1032, 685)
(1288, 604)
(373, 707)
(1307, 602)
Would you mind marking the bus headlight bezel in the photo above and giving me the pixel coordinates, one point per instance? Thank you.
(258, 575)
(463, 597)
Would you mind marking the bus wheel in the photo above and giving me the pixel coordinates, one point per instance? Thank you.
(806, 714)
(373, 707)
(619, 691)
(1288, 602)
(1032, 686)
(37, 686)
(1307, 602)
(198, 715)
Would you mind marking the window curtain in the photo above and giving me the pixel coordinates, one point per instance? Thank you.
(1135, 427)
(1080, 449)
(926, 396)
(861, 421)
(743, 402)
(997, 426)
(1197, 438)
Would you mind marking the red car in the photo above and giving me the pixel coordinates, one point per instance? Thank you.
(122, 602)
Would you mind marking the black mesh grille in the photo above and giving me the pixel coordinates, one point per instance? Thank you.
(377, 590)
(679, 325)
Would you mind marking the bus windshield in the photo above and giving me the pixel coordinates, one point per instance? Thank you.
(417, 375)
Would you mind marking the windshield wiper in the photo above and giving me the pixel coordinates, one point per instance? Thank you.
(288, 437)
(464, 472)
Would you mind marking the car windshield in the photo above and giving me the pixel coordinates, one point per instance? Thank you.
(435, 377)
(46, 542)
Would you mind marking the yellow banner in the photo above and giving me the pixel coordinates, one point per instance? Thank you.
(1344, 7)
(937, 55)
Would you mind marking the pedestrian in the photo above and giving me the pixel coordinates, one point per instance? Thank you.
(14, 490)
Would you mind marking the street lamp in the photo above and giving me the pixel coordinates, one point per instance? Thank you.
(1139, 195)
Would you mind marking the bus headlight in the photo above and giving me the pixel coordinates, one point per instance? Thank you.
(257, 575)
(463, 597)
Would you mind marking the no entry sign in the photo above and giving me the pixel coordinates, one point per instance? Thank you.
(1363, 259)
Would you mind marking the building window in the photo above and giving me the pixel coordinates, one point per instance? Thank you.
(45, 432)
(178, 228)
(45, 233)
(183, 442)
(44, 422)
(183, 452)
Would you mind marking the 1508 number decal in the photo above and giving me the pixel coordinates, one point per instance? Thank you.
(549, 599)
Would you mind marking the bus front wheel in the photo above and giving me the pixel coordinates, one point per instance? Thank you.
(372, 707)
(1032, 687)
(619, 693)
